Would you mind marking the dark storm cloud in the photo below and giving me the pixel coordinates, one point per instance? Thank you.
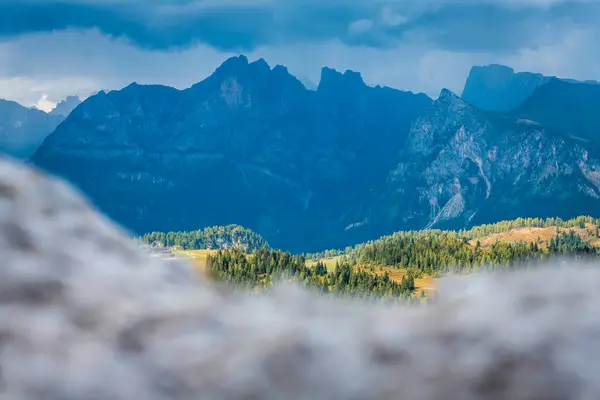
(485, 26)
(482, 25)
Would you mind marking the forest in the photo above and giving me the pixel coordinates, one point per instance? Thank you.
(439, 255)
(436, 256)
(477, 232)
(215, 237)
(264, 267)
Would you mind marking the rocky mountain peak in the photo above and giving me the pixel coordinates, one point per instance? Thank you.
(238, 81)
(260, 65)
(447, 96)
(450, 102)
(332, 79)
(232, 64)
(65, 107)
(240, 67)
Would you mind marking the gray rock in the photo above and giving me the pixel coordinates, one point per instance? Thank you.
(465, 167)
(85, 315)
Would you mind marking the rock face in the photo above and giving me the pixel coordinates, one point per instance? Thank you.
(249, 145)
(499, 88)
(23, 129)
(65, 107)
(463, 166)
(83, 315)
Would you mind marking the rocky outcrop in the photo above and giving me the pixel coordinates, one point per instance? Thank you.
(500, 88)
(249, 145)
(463, 166)
(83, 315)
(22, 129)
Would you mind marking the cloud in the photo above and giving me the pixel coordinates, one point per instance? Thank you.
(480, 25)
(45, 91)
(54, 49)
(72, 62)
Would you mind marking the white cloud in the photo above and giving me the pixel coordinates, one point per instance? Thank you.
(360, 26)
(44, 104)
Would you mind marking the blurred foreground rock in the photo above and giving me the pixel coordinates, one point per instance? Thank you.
(84, 315)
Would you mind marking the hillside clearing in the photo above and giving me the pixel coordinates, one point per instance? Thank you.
(425, 283)
(532, 234)
(330, 263)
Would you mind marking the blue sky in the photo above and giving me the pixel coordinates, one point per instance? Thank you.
(50, 49)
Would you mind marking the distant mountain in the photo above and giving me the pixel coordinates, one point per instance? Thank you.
(23, 129)
(500, 88)
(65, 107)
(570, 108)
(249, 145)
(464, 166)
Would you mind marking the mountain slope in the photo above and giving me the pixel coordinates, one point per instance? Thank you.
(500, 88)
(23, 129)
(570, 108)
(249, 145)
(463, 166)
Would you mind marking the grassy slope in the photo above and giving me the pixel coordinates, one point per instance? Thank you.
(330, 263)
(531, 234)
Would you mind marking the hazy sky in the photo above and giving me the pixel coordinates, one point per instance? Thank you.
(50, 49)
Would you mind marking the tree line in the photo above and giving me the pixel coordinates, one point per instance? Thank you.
(440, 255)
(355, 252)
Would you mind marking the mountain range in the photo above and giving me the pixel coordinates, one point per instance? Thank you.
(315, 169)
(23, 129)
